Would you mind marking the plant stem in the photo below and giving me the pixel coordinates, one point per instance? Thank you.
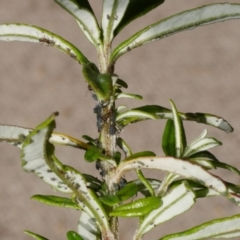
(107, 128)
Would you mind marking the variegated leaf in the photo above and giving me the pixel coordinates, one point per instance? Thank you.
(172, 165)
(38, 155)
(201, 145)
(88, 228)
(30, 33)
(179, 200)
(155, 112)
(83, 13)
(182, 21)
(16, 136)
(221, 228)
(113, 12)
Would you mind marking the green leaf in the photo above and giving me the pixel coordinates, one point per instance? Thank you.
(117, 157)
(92, 182)
(145, 182)
(155, 112)
(176, 202)
(30, 33)
(180, 138)
(182, 21)
(168, 139)
(122, 83)
(155, 184)
(137, 208)
(36, 236)
(140, 154)
(112, 14)
(124, 146)
(128, 191)
(101, 84)
(71, 235)
(89, 139)
(92, 154)
(110, 200)
(220, 228)
(83, 13)
(136, 9)
(55, 201)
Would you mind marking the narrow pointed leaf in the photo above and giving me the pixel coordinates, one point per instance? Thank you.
(110, 200)
(201, 145)
(168, 139)
(129, 95)
(182, 21)
(205, 159)
(135, 9)
(83, 13)
(180, 138)
(16, 136)
(122, 83)
(155, 112)
(176, 202)
(71, 235)
(88, 228)
(155, 184)
(227, 166)
(138, 207)
(30, 33)
(113, 12)
(34, 235)
(221, 228)
(140, 154)
(55, 201)
(128, 191)
(124, 146)
(176, 166)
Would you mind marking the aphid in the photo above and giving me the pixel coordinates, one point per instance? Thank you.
(49, 42)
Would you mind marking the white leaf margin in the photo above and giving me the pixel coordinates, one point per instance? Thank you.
(172, 165)
(186, 20)
(16, 135)
(179, 200)
(220, 228)
(112, 14)
(31, 33)
(87, 227)
(85, 19)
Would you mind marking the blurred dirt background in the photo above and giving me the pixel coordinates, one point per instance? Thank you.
(198, 69)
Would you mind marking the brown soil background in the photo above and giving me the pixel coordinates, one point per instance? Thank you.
(198, 69)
